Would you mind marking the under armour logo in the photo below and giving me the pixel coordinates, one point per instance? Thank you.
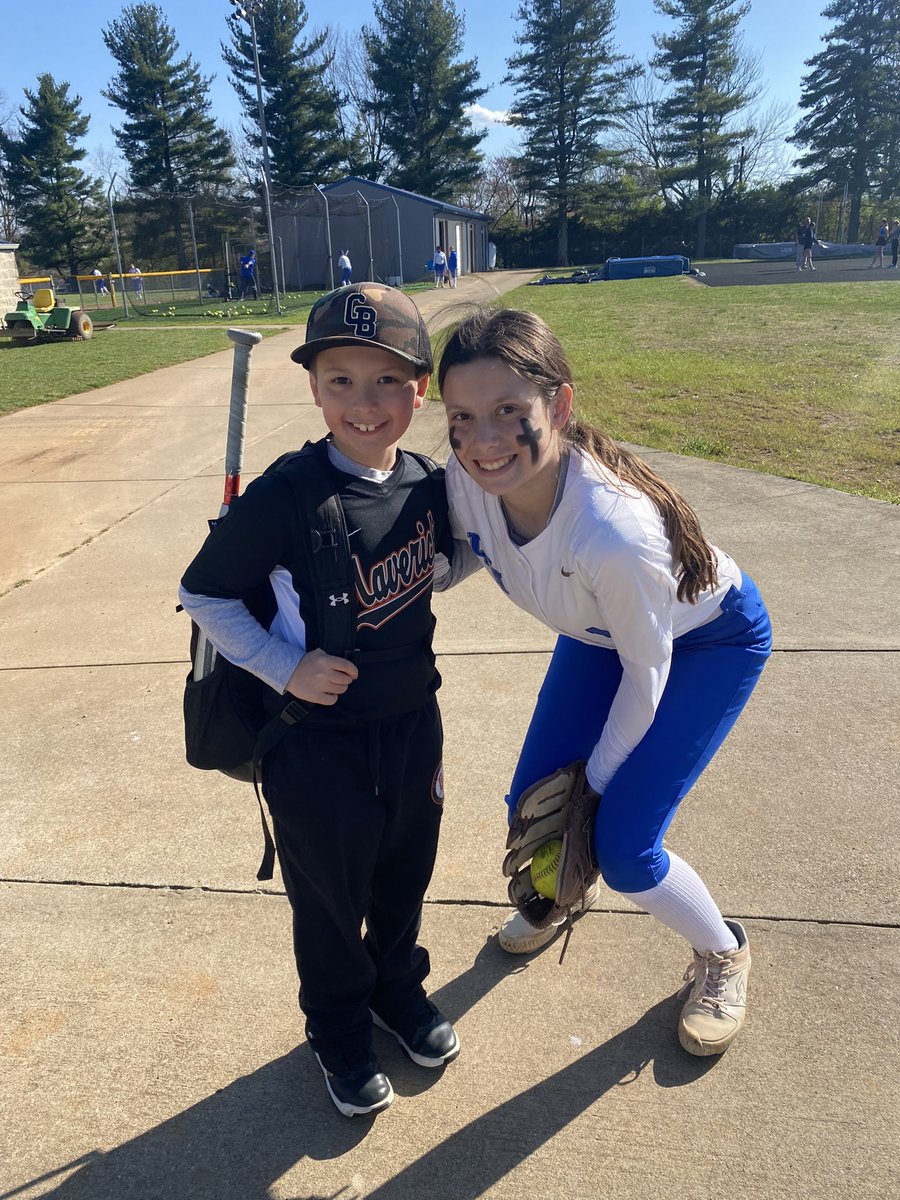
(343, 598)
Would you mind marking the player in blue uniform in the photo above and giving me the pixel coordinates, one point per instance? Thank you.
(662, 637)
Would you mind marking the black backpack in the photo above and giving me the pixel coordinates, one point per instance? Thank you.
(228, 725)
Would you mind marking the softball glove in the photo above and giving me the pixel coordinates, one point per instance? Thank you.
(560, 807)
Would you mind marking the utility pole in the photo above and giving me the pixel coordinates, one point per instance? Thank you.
(247, 10)
(115, 233)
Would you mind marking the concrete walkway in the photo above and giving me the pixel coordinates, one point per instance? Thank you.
(150, 1047)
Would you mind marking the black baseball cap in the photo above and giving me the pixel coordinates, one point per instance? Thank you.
(367, 314)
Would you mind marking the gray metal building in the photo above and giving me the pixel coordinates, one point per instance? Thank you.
(390, 234)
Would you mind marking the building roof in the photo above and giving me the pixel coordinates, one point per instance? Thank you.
(441, 205)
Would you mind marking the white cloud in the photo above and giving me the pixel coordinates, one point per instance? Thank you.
(479, 115)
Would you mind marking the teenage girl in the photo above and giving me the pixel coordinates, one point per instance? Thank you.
(662, 637)
(880, 243)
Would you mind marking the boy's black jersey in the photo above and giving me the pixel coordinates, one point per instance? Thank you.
(256, 554)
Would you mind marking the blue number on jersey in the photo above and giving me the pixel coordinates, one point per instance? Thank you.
(475, 543)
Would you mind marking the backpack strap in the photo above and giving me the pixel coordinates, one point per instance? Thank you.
(323, 530)
(428, 465)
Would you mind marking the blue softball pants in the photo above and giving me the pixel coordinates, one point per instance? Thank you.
(714, 669)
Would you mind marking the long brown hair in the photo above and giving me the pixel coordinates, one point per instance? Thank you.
(526, 344)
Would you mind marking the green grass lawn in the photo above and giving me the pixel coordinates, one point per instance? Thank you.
(159, 333)
(34, 374)
(799, 382)
(159, 307)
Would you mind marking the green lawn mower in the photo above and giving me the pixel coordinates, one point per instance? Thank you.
(40, 318)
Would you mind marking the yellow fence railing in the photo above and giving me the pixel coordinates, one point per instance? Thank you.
(142, 287)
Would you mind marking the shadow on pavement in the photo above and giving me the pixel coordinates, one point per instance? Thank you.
(236, 1143)
(493, 1145)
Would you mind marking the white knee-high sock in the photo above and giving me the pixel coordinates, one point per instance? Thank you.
(683, 903)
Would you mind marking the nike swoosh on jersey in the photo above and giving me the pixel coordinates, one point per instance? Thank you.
(602, 632)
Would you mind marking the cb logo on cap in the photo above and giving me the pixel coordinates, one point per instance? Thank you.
(361, 317)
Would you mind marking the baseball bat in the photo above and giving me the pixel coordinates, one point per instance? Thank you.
(244, 341)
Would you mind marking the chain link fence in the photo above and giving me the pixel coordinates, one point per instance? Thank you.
(151, 289)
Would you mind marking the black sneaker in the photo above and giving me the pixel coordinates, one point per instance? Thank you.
(426, 1035)
(365, 1091)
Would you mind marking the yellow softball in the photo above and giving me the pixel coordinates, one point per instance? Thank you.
(544, 866)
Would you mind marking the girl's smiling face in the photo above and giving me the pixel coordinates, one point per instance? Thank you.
(502, 430)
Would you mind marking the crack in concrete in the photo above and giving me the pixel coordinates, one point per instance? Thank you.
(183, 662)
(456, 902)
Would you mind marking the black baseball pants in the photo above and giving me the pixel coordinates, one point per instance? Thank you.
(356, 814)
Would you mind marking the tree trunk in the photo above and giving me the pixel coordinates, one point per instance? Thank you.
(700, 248)
(180, 251)
(855, 206)
(562, 237)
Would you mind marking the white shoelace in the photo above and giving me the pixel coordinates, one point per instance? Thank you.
(711, 991)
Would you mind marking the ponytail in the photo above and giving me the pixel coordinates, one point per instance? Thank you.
(695, 564)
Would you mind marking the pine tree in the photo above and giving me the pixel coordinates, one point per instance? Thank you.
(302, 130)
(889, 160)
(59, 206)
(569, 83)
(423, 89)
(849, 97)
(171, 143)
(702, 60)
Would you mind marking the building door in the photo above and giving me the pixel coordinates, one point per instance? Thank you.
(459, 245)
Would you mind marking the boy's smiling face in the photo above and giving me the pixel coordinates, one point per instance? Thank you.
(367, 396)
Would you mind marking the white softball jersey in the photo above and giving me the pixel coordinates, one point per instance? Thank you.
(600, 572)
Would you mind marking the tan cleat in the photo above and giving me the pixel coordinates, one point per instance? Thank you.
(717, 1004)
(516, 936)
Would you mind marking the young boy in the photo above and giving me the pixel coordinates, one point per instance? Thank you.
(356, 788)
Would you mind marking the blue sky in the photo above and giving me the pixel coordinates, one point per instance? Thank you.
(38, 38)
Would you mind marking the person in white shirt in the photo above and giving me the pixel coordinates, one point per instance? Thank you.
(662, 638)
(345, 268)
(440, 266)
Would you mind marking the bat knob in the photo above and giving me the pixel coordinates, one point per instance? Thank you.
(245, 337)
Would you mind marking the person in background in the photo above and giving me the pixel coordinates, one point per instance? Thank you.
(894, 239)
(248, 276)
(798, 245)
(100, 281)
(138, 281)
(346, 268)
(880, 242)
(808, 230)
(452, 265)
(440, 266)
